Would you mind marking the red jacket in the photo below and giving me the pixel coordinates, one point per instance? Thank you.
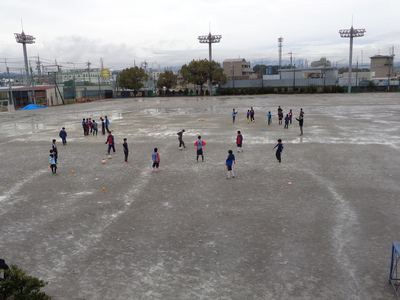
(199, 144)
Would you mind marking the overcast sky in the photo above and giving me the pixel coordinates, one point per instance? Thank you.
(164, 33)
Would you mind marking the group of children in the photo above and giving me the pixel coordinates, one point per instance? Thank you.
(90, 127)
(288, 118)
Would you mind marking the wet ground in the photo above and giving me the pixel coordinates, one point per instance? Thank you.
(318, 226)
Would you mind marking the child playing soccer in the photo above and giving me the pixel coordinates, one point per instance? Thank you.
(199, 147)
(103, 126)
(229, 162)
(279, 150)
(234, 113)
(55, 151)
(126, 150)
(155, 157)
(95, 128)
(63, 136)
(239, 141)
(110, 142)
(52, 163)
(287, 120)
(180, 139)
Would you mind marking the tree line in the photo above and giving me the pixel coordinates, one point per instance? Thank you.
(197, 72)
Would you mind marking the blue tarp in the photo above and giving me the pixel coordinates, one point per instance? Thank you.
(32, 106)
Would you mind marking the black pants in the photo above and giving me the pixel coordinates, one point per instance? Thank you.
(181, 143)
(126, 155)
(278, 156)
(108, 131)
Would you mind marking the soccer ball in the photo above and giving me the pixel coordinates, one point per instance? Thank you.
(180, 148)
(109, 156)
(103, 161)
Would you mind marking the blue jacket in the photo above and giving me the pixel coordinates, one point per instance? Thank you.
(230, 160)
(52, 160)
(280, 147)
(63, 134)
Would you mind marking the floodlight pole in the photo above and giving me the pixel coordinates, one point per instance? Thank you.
(209, 39)
(351, 33)
(24, 39)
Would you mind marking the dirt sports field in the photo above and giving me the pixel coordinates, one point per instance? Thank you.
(318, 226)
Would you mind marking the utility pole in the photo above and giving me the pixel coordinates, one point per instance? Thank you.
(88, 65)
(357, 72)
(33, 84)
(351, 33)
(280, 41)
(39, 71)
(11, 103)
(98, 77)
(291, 58)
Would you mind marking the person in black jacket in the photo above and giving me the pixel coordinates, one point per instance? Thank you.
(180, 139)
(126, 150)
(301, 120)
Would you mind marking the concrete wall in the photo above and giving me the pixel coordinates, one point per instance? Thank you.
(280, 83)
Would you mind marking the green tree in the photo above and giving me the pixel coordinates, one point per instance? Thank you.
(133, 79)
(69, 83)
(16, 285)
(260, 69)
(167, 79)
(199, 71)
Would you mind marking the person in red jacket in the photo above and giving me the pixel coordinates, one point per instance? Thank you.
(110, 142)
(199, 147)
(239, 141)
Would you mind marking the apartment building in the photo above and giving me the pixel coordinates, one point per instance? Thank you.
(238, 68)
(382, 66)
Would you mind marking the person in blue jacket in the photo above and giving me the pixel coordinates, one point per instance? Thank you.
(269, 118)
(52, 163)
(63, 136)
(107, 123)
(287, 120)
(279, 149)
(229, 162)
(234, 113)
